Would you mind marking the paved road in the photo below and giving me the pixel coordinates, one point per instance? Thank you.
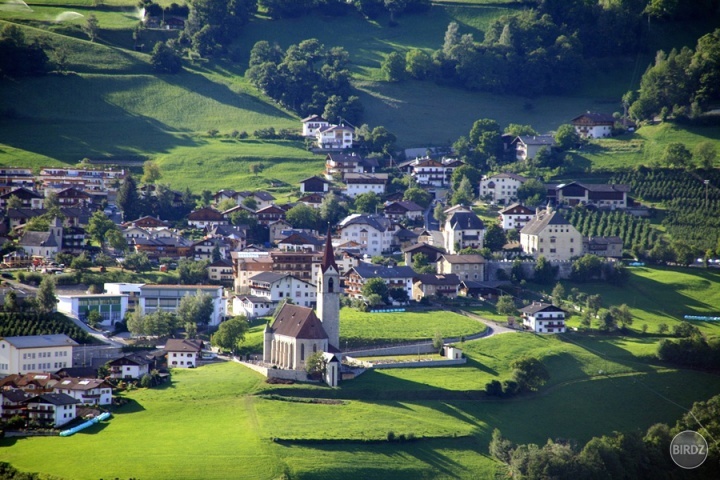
(494, 327)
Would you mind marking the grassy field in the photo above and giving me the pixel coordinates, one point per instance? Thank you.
(361, 329)
(221, 430)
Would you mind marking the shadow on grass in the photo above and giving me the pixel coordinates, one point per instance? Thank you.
(131, 407)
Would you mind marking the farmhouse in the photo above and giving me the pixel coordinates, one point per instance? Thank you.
(52, 409)
(608, 247)
(501, 188)
(358, 183)
(527, 147)
(551, 236)
(29, 198)
(466, 267)
(206, 217)
(183, 353)
(94, 391)
(343, 163)
(314, 185)
(394, 277)
(432, 285)
(543, 318)
(35, 353)
(221, 271)
(598, 194)
(132, 366)
(463, 229)
(403, 209)
(515, 216)
(311, 125)
(336, 137)
(593, 125)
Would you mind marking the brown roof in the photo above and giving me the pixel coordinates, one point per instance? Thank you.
(298, 322)
(183, 345)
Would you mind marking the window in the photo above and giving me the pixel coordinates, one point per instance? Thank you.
(331, 285)
(302, 352)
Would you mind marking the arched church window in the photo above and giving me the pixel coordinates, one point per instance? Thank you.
(331, 285)
(314, 347)
(302, 351)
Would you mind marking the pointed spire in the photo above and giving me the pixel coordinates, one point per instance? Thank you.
(329, 255)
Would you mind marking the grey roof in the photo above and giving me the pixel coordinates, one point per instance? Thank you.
(540, 307)
(422, 246)
(301, 238)
(15, 395)
(604, 240)
(25, 212)
(132, 359)
(596, 117)
(378, 222)
(472, 258)
(183, 345)
(38, 239)
(542, 220)
(537, 139)
(41, 341)
(54, 399)
(598, 187)
(438, 279)
(406, 234)
(406, 205)
(21, 193)
(255, 299)
(466, 221)
(369, 270)
(314, 177)
(269, 277)
(265, 196)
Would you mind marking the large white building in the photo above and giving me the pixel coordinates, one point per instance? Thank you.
(35, 353)
(167, 298)
(543, 318)
(94, 391)
(501, 188)
(551, 236)
(373, 232)
(515, 216)
(594, 125)
(463, 230)
(268, 289)
(112, 308)
(359, 183)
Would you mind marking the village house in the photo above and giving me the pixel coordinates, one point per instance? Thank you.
(551, 236)
(183, 353)
(312, 200)
(374, 233)
(105, 180)
(43, 244)
(236, 236)
(314, 185)
(502, 187)
(432, 253)
(335, 137)
(515, 216)
(543, 318)
(432, 285)
(311, 125)
(466, 267)
(593, 125)
(299, 241)
(129, 367)
(12, 403)
(206, 217)
(205, 248)
(607, 247)
(73, 197)
(463, 230)
(246, 265)
(32, 353)
(397, 211)
(88, 391)
(278, 230)
(262, 199)
(221, 271)
(268, 289)
(146, 222)
(343, 163)
(602, 195)
(527, 146)
(358, 183)
(29, 198)
(112, 308)
(394, 277)
(270, 214)
(168, 297)
(33, 382)
(14, 176)
(157, 247)
(51, 409)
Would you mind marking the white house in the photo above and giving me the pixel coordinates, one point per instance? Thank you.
(93, 391)
(268, 289)
(551, 236)
(543, 318)
(463, 230)
(373, 232)
(515, 216)
(394, 277)
(336, 137)
(167, 298)
(183, 353)
(501, 188)
(131, 366)
(112, 308)
(593, 125)
(527, 147)
(206, 217)
(52, 409)
(33, 353)
(357, 183)
(311, 125)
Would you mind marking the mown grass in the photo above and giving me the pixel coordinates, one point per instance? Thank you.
(359, 329)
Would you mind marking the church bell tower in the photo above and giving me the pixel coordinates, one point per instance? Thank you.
(328, 294)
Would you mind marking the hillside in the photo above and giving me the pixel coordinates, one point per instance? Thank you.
(110, 88)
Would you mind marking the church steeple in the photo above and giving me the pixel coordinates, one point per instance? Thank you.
(328, 294)
(328, 259)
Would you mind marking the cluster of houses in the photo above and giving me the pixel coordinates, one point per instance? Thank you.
(40, 384)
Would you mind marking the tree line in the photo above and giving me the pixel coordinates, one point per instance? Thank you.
(28, 322)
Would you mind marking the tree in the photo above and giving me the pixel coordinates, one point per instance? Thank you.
(191, 272)
(94, 317)
(315, 365)
(500, 447)
(506, 305)
(520, 130)
(196, 308)
(705, 154)
(81, 263)
(367, 202)
(398, 295)
(11, 301)
(230, 334)
(137, 262)
(104, 260)
(190, 330)
(532, 192)
(607, 321)
(381, 140)
(439, 213)
(128, 199)
(91, 27)
(98, 227)
(593, 303)
(494, 237)
(558, 294)
(421, 264)
(375, 286)
(395, 7)
(544, 271)
(418, 195)
(473, 175)
(465, 194)
(529, 373)
(250, 203)
(302, 216)
(566, 137)
(676, 154)
(393, 67)
(151, 172)
(116, 240)
(622, 314)
(45, 298)
(165, 59)
(418, 64)
(14, 202)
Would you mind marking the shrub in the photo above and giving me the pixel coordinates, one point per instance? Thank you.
(391, 436)
(494, 388)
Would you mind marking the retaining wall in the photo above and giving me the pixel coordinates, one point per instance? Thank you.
(421, 364)
(297, 375)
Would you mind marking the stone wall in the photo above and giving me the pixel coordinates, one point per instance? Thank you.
(421, 364)
(297, 375)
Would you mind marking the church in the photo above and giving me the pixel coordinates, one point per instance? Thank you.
(298, 332)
